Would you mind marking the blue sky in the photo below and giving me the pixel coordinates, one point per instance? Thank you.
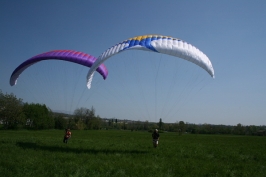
(141, 85)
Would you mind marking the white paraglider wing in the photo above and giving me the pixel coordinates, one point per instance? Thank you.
(156, 43)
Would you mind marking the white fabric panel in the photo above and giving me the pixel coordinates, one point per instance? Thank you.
(183, 50)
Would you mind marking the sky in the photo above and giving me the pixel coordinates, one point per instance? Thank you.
(141, 85)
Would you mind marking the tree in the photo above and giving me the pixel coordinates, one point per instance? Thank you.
(72, 124)
(124, 125)
(87, 117)
(181, 126)
(146, 125)
(160, 124)
(11, 113)
(38, 116)
(96, 123)
(154, 126)
(81, 118)
(60, 122)
(93, 121)
(191, 128)
(239, 129)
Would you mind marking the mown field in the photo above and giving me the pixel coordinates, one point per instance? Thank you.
(124, 153)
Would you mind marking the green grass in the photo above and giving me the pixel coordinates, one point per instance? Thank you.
(125, 153)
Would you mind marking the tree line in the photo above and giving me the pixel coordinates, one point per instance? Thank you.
(15, 114)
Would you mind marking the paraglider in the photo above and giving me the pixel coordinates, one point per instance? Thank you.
(156, 43)
(65, 55)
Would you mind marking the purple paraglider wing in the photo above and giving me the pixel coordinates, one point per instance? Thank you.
(65, 55)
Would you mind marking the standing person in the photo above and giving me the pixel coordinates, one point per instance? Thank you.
(155, 138)
(67, 135)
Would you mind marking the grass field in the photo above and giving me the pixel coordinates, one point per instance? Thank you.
(125, 153)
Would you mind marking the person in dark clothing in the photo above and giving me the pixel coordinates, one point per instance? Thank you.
(155, 138)
(67, 135)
